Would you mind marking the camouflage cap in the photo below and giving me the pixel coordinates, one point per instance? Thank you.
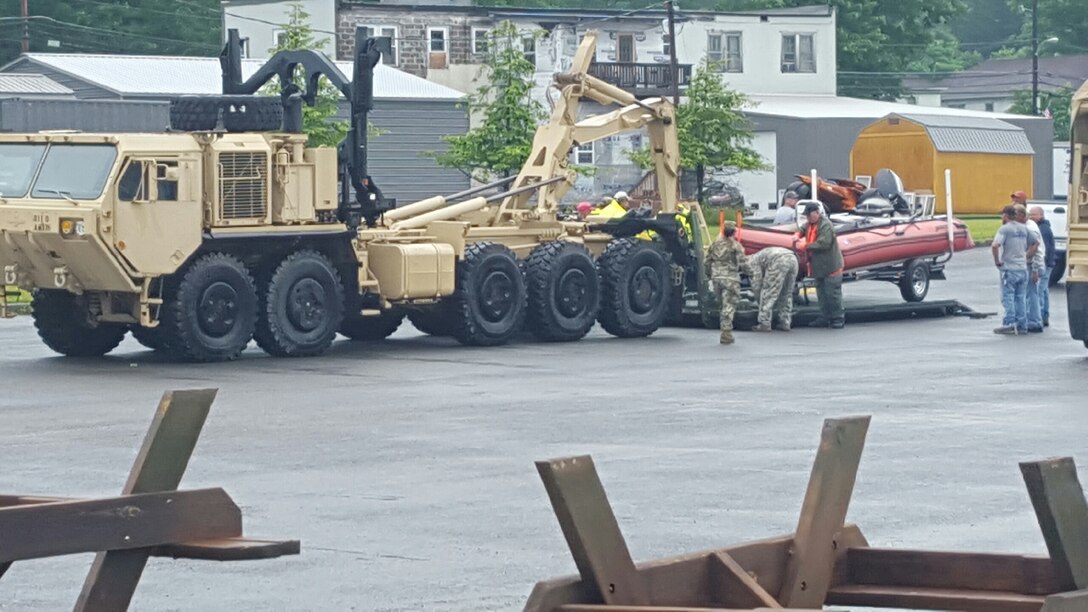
(730, 225)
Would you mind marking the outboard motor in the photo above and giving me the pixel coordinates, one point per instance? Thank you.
(890, 187)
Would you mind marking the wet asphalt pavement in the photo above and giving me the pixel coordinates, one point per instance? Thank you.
(405, 467)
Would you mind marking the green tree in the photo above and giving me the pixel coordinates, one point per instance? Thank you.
(509, 115)
(1065, 19)
(713, 133)
(1058, 102)
(147, 27)
(318, 120)
(944, 54)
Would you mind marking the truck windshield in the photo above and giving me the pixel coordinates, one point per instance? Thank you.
(74, 171)
(18, 161)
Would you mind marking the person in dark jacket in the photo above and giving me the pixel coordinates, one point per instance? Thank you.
(1039, 217)
(825, 266)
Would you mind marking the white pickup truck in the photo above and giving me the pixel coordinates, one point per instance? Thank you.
(1056, 213)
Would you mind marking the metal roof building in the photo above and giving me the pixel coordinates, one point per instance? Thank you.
(131, 93)
(32, 85)
(797, 133)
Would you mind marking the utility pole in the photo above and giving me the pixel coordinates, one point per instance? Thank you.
(25, 12)
(1035, 57)
(674, 68)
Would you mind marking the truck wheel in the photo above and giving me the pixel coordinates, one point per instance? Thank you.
(210, 314)
(635, 288)
(240, 113)
(1058, 272)
(64, 324)
(433, 321)
(358, 327)
(149, 337)
(914, 284)
(563, 291)
(302, 306)
(252, 114)
(489, 305)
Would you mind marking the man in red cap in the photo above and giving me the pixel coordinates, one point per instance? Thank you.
(1019, 197)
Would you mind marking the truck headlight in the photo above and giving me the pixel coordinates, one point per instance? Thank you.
(72, 228)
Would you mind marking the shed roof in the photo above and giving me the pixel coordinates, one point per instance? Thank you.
(149, 76)
(972, 134)
(37, 84)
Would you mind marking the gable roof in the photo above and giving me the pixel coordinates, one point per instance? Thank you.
(34, 84)
(998, 77)
(165, 76)
(972, 134)
(808, 106)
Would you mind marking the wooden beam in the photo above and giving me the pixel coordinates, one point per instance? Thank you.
(591, 530)
(1073, 601)
(228, 549)
(118, 523)
(823, 513)
(159, 466)
(932, 599)
(1031, 575)
(735, 587)
(1062, 513)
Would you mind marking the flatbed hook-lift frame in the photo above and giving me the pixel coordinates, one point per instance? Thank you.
(825, 561)
(151, 517)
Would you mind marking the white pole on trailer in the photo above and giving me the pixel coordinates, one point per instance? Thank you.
(948, 210)
(815, 195)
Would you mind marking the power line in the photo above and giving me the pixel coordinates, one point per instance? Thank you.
(76, 26)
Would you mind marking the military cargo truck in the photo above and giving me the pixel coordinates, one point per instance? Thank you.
(229, 228)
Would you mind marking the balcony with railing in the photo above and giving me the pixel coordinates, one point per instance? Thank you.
(643, 80)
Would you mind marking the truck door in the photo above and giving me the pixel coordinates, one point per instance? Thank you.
(157, 212)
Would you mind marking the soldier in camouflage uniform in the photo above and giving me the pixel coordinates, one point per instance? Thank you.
(774, 275)
(724, 263)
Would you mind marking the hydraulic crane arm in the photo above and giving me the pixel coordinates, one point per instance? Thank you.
(553, 141)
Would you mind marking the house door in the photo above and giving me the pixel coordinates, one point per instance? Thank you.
(626, 52)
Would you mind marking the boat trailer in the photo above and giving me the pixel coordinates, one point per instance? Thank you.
(826, 561)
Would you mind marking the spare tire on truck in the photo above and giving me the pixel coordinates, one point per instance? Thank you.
(635, 288)
(240, 113)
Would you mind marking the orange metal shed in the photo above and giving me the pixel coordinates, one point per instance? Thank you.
(989, 158)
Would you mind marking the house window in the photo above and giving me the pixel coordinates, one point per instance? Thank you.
(625, 48)
(245, 47)
(279, 37)
(798, 53)
(583, 154)
(479, 40)
(437, 38)
(990, 106)
(666, 44)
(725, 52)
(528, 46)
(390, 32)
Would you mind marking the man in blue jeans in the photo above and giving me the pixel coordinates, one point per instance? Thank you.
(1013, 247)
(1039, 217)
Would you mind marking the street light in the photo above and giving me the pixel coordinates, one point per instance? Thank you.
(1036, 47)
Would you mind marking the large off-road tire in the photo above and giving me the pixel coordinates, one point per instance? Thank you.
(240, 113)
(488, 307)
(564, 291)
(210, 310)
(1058, 272)
(914, 284)
(64, 324)
(149, 337)
(435, 321)
(360, 328)
(635, 288)
(301, 306)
